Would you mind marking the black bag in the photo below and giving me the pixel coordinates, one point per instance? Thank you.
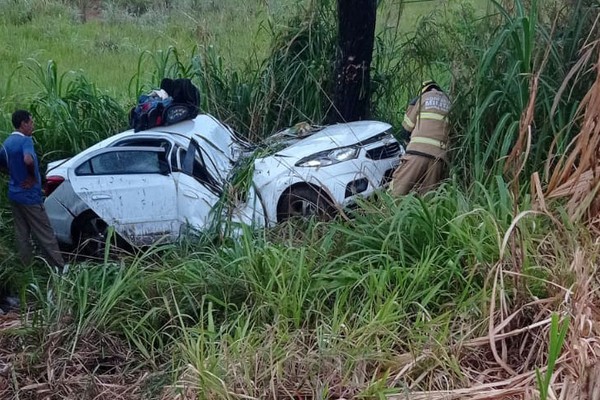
(186, 100)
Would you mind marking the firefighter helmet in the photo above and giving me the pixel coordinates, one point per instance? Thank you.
(428, 85)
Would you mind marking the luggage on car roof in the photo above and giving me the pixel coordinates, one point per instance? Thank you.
(176, 101)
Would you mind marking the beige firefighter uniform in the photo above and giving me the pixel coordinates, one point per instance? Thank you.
(422, 167)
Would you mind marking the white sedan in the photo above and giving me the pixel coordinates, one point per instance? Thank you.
(156, 184)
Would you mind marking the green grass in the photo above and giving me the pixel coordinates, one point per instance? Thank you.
(105, 53)
(403, 295)
(106, 50)
(329, 309)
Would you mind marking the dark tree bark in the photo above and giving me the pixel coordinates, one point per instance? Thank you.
(356, 34)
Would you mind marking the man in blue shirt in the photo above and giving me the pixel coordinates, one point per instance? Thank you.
(25, 192)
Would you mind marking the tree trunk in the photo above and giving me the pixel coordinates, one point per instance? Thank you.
(356, 34)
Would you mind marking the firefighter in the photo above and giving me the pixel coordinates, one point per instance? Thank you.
(425, 123)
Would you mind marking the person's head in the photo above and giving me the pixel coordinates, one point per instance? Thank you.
(22, 121)
(426, 86)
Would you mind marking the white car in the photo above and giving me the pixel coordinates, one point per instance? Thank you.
(156, 184)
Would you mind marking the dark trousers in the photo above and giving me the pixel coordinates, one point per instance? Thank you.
(32, 220)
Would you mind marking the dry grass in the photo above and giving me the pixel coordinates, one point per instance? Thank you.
(576, 175)
(502, 364)
(99, 366)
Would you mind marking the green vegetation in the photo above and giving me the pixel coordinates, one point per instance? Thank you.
(488, 285)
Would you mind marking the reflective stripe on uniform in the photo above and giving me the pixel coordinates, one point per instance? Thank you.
(426, 140)
(408, 122)
(429, 115)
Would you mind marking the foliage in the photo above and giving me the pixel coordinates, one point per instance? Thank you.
(72, 114)
(558, 332)
(520, 53)
(445, 295)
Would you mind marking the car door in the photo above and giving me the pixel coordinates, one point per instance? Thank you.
(219, 204)
(219, 146)
(131, 189)
(198, 192)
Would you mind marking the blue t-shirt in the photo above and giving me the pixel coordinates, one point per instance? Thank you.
(16, 146)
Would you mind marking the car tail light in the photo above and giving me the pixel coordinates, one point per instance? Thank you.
(52, 182)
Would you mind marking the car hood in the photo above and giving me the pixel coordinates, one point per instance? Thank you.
(332, 137)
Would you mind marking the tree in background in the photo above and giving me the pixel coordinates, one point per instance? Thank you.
(356, 35)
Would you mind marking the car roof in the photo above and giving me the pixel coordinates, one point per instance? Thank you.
(203, 126)
(201, 123)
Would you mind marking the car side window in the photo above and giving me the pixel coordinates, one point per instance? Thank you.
(124, 162)
(149, 142)
(197, 170)
(144, 142)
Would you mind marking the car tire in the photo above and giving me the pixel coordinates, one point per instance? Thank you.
(92, 237)
(304, 202)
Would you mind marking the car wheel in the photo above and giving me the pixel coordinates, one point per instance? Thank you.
(304, 202)
(92, 237)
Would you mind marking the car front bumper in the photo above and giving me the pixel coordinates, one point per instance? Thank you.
(344, 182)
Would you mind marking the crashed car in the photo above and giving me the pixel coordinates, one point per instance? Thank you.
(156, 184)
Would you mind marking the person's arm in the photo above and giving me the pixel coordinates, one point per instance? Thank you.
(28, 159)
(408, 124)
(404, 135)
(30, 166)
(3, 160)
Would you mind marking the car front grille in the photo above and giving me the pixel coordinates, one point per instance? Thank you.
(382, 152)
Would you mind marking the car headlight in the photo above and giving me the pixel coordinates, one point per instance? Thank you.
(328, 157)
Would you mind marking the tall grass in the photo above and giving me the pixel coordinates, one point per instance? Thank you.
(288, 86)
(71, 112)
(449, 295)
(489, 64)
(526, 45)
(339, 298)
(349, 308)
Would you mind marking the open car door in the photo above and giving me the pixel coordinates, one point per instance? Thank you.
(198, 191)
(202, 195)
